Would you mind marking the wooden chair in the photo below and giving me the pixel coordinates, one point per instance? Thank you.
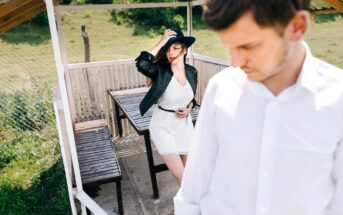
(97, 158)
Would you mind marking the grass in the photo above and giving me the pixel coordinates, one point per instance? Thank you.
(27, 49)
(32, 180)
(325, 38)
(31, 170)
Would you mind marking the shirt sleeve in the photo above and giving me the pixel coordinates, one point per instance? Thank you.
(336, 204)
(145, 65)
(201, 161)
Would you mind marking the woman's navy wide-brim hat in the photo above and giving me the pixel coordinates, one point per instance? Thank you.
(180, 38)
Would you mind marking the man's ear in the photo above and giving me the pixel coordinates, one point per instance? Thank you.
(298, 25)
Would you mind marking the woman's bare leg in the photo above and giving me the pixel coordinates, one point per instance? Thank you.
(175, 165)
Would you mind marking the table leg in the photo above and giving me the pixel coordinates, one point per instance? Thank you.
(120, 127)
(151, 165)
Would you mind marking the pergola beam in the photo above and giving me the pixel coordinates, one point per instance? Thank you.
(8, 7)
(16, 12)
(22, 14)
(336, 4)
(126, 6)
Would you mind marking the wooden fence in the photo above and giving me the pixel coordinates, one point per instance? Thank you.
(88, 84)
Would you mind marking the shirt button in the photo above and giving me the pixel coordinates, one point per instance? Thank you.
(263, 210)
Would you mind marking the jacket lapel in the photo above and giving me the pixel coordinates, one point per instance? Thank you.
(190, 78)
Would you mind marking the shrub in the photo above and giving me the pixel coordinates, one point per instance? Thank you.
(65, 2)
(4, 107)
(41, 19)
(19, 116)
(42, 108)
(149, 19)
(6, 154)
(98, 1)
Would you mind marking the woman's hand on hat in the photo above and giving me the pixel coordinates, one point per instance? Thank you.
(167, 35)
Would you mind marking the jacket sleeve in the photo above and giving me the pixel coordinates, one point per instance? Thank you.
(196, 85)
(194, 102)
(145, 65)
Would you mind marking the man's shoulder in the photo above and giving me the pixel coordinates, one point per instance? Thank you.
(228, 75)
(329, 82)
(225, 85)
(329, 72)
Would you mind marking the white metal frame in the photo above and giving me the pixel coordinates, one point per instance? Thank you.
(127, 6)
(57, 48)
(58, 107)
(66, 101)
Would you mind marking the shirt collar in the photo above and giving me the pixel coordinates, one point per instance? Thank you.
(308, 77)
(307, 80)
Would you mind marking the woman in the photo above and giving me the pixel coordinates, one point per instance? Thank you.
(173, 88)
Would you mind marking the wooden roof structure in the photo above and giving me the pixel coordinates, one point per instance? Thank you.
(326, 6)
(15, 12)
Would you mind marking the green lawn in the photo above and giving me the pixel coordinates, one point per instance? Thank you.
(27, 51)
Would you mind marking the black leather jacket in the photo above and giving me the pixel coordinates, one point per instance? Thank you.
(161, 75)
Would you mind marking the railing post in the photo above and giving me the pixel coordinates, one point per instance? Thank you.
(189, 30)
(65, 63)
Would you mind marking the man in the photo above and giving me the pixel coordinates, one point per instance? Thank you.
(270, 130)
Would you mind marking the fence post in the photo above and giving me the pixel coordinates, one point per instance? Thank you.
(89, 78)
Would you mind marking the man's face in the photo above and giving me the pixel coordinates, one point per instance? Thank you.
(261, 52)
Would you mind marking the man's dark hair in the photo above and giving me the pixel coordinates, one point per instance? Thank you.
(220, 14)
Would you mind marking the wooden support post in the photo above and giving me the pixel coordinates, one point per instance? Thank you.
(89, 79)
(189, 31)
(86, 43)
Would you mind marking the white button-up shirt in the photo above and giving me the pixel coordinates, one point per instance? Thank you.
(256, 153)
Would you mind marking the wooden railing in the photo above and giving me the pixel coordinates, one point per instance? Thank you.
(89, 83)
(207, 67)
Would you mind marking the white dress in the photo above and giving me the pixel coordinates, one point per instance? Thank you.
(172, 135)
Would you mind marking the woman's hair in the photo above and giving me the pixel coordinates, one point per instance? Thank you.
(161, 57)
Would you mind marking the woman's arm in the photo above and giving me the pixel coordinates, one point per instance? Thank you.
(166, 36)
(145, 61)
(145, 65)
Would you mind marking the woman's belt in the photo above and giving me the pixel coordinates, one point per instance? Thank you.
(167, 110)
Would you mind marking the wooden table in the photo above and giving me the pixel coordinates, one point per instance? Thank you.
(126, 105)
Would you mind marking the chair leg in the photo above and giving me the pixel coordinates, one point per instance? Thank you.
(119, 197)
